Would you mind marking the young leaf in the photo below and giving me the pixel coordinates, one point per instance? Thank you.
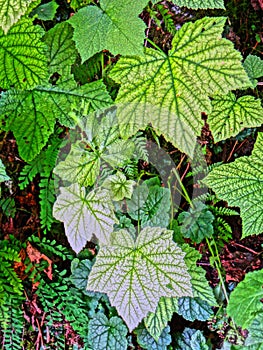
(201, 4)
(105, 27)
(155, 322)
(119, 186)
(194, 309)
(3, 175)
(146, 341)
(240, 183)
(136, 274)
(46, 12)
(11, 11)
(197, 223)
(230, 115)
(104, 334)
(199, 65)
(84, 215)
(61, 48)
(246, 300)
(150, 205)
(254, 68)
(191, 339)
(22, 56)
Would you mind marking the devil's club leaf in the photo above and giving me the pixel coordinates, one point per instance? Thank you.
(240, 183)
(22, 56)
(162, 89)
(254, 68)
(194, 309)
(146, 341)
(104, 334)
(246, 299)
(197, 223)
(12, 10)
(201, 4)
(105, 27)
(61, 48)
(230, 115)
(31, 115)
(84, 215)
(155, 322)
(119, 186)
(136, 274)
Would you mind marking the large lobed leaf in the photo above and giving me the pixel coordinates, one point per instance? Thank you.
(165, 89)
(246, 300)
(84, 215)
(31, 115)
(230, 115)
(12, 10)
(240, 183)
(105, 27)
(136, 274)
(22, 56)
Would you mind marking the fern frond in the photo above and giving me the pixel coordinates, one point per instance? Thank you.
(140, 151)
(167, 18)
(51, 248)
(47, 199)
(222, 211)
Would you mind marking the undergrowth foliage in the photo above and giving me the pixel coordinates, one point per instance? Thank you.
(87, 95)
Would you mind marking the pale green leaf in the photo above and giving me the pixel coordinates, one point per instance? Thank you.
(79, 166)
(135, 275)
(3, 175)
(22, 56)
(245, 300)
(46, 12)
(240, 183)
(194, 309)
(146, 341)
(155, 322)
(84, 215)
(100, 143)
(170, 91)
(255, 335)
(191, 339)
(105, 27)
(200, 286)
(61, 48)
(12, 10)
(254, 68)
(104, 334)
(31, 115)
(201, 4)
(120, 187)
(230, 115)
